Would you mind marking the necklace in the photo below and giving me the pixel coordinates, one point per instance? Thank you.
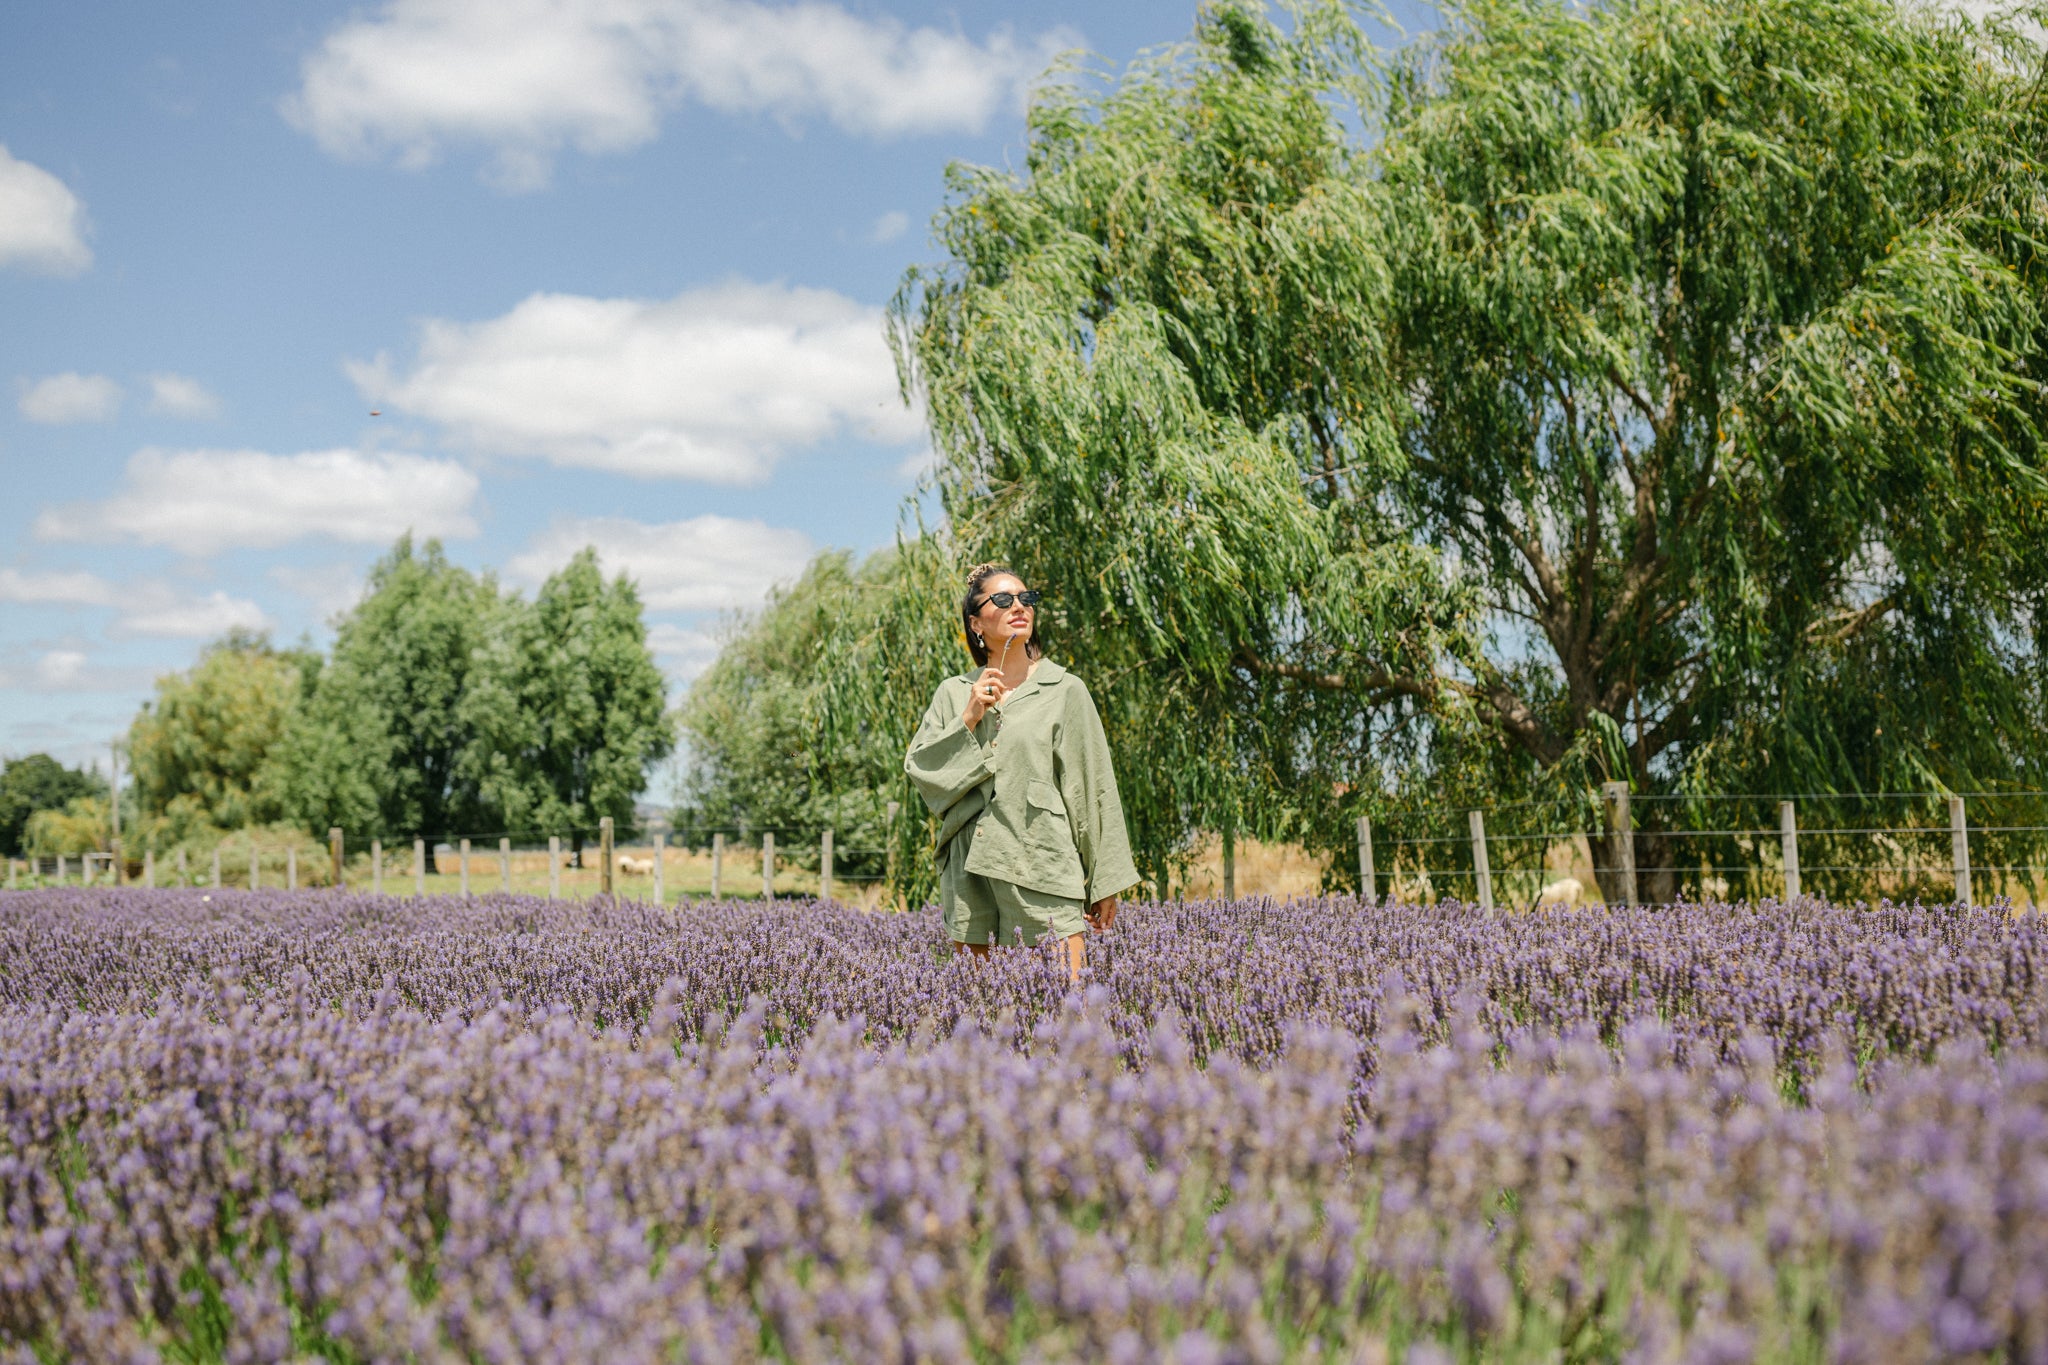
(1003, 664)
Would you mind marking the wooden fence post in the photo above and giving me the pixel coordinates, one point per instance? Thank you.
(419, 867)
(462, 856)
(604, 856)
(1623, 833)
(505, 865)
(1368, 883)
(717, 860)
(889, 825)
(60, 869)
(1788, 838)
(768, 865)
(117, 866)
(1229, 840)
(1959, 845)
(825, 866)
(660, 857)
(291, 867)
(554, 867)
(1480, 870)
(149, 867)
(334, 853)
(376, 867)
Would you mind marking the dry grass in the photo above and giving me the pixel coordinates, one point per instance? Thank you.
(685, 876)
(1262, 870)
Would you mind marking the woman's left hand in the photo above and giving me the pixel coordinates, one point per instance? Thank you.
(1102, 914)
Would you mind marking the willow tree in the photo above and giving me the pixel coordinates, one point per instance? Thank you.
(1151, 392)
(1718, 332)
(1650, 392)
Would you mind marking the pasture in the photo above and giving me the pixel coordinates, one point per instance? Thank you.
(271, 1125)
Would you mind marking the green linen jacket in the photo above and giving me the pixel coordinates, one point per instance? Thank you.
(1033, 791)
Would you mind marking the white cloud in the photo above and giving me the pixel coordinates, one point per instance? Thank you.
(176, 395)
(918, 463)
(526, 78)
(42, 224)
(331, 588)
(148, 607)
(201, 618)
(889, 226)
(714, 384)
(685, 652)
(60, 668)
(707, 563)
(202, 501)
(70, 397)
(68, 669)
(56, 589)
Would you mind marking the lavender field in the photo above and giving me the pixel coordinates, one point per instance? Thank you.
(256, 1127)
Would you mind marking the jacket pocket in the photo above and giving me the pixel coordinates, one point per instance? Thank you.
(1046, 797)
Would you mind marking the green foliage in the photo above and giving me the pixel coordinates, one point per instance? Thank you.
(1155, 393)
(1656, 396)
(208, 750)
(566, 708)
(447, 707)
(382, 750)
(1719, 328)
(81, 825)
(38, 782)
(762, 749)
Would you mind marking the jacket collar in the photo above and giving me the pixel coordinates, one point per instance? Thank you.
(1047, 674)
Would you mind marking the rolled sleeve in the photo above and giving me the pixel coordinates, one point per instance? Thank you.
(946, 759)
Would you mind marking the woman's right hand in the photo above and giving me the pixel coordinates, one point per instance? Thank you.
(988, 689)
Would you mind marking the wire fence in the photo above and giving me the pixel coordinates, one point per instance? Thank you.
(1610, 846)
(1968, 847)
(730, 861)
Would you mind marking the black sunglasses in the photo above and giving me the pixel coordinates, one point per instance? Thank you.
(1029, 597)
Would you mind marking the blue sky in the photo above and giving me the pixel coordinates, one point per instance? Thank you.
(611, 271)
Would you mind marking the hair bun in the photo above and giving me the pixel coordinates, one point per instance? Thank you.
(981, 571)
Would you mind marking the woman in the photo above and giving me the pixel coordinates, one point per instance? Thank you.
(1012, 760)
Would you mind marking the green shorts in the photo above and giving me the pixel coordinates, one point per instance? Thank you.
(982, 909)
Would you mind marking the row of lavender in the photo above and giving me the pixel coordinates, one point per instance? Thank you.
(1894, 980)
(250, 1128)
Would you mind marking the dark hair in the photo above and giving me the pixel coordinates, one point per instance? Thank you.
(969, 608)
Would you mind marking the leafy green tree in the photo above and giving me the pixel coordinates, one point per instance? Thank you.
(1153, 380)
(1719, 329)
(381, 750)
(566, 709)
(761, 751)
(207, 751)
(81, 825)
(38, 782)
(1656, 396)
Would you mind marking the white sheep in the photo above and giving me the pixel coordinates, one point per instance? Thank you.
(636, 867)
(1563, 891)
